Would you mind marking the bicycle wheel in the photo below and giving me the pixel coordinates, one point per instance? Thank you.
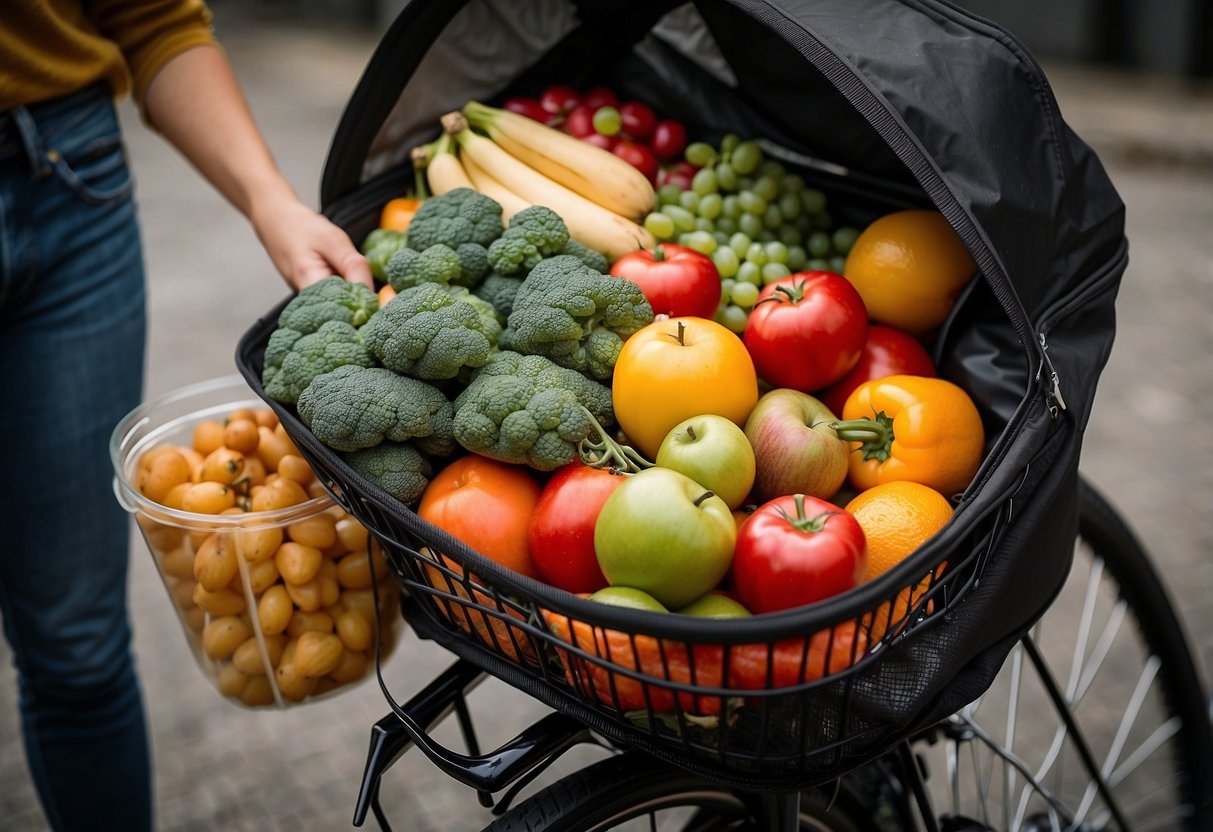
(1103, 682)
(633, 791)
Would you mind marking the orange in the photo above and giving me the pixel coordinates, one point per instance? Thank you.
(897, 518)
(398, 213)
(909, 267)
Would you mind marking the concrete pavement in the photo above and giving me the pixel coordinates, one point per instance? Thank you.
(219, 767)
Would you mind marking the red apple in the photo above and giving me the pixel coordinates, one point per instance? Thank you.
(795, 449)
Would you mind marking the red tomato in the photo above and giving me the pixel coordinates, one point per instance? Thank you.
(887, 352)
(669, 140)
(796, 550)
(580, 121)
(559, 99)
(807, 330)
(528, 107)
(676, 280)
(638, 120)
(638, 156)
(600, 97)
(487, 505)
(562, 526)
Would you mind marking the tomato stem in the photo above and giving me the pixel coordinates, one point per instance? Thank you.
(658, 254)
(605, 452)
(809, 525)
(875, 436)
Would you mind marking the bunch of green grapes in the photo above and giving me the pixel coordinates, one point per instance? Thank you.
(757, 221)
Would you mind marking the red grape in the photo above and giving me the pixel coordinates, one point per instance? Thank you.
(669, 140)
(638, 119)
(559, 99)
(580, 121)
(600, 97)
(638, 156)
(528, 107)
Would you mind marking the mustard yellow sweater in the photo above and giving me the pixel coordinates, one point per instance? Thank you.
(49, 48)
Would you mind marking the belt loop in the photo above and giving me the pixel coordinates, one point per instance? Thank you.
(31, 139)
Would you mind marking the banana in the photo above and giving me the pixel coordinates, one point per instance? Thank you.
(598, 175)
(443, 171)
(588, 222)
(509, 201)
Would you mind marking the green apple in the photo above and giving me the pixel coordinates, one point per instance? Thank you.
(795, 449)
(714, 452)
(715, 605)
(665, 534)
(626, 596)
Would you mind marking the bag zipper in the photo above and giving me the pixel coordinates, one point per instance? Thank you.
(851, 85)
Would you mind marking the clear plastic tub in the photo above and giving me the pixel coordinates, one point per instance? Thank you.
(275, 594)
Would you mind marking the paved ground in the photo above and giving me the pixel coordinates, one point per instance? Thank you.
(221, 767)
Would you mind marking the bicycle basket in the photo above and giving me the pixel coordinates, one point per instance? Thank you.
(913, 102)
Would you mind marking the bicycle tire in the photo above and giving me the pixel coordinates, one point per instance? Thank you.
(1163, 781)
(626, 787)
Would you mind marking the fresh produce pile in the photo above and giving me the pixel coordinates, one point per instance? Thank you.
(739, 419)
(282, 606)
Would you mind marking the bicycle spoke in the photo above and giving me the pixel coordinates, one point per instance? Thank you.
(1012, 717)
(1106, 640)
(1161, 735)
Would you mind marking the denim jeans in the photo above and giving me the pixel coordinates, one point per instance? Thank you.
(72, 331)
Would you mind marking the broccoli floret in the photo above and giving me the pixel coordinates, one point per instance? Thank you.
(459, 216)
(575, 316)
(379, 246)
(292, 359)
(426, 333)
(525, 409)
(358, 407)
(473, 264)
(533, 234)
(499, 291)
(396, 467)
(488, 315)
(596, 260)
(331, 299)
(437, 264)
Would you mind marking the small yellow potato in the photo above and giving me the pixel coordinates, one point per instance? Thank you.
(241, 435)
(215, 563)
(167, 469)
(354, 631)
(271, 448)
(309, 622)
(258, 543)
(298, 564)
(295, 467)
(223, 465)
(352, 534)
(179, 563)
(231, 681)
(257, 692)
(279, 492)
(274, 610)
(248, 656)
(318, 531)
(219, 602)
(208, 498)
(308, 596)
(261, 576)
(293, 684)
(316, 654)
(222, 636)
(351, 668)
(265, 418)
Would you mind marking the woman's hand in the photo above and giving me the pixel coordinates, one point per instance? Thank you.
(304, 246)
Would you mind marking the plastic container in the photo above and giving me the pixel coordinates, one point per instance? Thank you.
(278, 604)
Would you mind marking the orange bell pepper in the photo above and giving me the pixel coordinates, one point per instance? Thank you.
(926, 430)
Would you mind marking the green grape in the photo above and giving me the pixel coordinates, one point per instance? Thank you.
(710, 205)
(727, 263)
(766, 235)
(789, 203)
(683, 238)
(746, 157)
(777, 252)
(749, 272)
(735, 318)
(756, 254)
(817, 264)
(718, 317)
(838, 264)
(772, 168)
(728, 226)
(772, 218)
(818, 244)
(607, 121)
(659, 225)
(730, 207)
(804, 224)
(704, 182)
(739, 243)
(797, 257)
(700, 154)
(744, 183)
(683, 219)
(726, 176)
(750, 224)
(726, 286)
(702, 241)
(721, 237)
(704, 224)
(793, 183)
(843, 238)
(729, 142)
(668, 193)
(790, 235)
(751, 202)
(774, 271)
(813, 200)
(744, 295)
(766, 187)
(689, 200)
(823, 220)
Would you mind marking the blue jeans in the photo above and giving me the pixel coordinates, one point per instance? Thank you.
(72, 331)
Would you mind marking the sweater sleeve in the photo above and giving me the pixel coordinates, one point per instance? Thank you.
(151, 32)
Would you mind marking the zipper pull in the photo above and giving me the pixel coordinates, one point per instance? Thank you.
(1056, 402)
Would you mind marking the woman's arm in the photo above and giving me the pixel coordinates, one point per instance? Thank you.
(195, 102)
